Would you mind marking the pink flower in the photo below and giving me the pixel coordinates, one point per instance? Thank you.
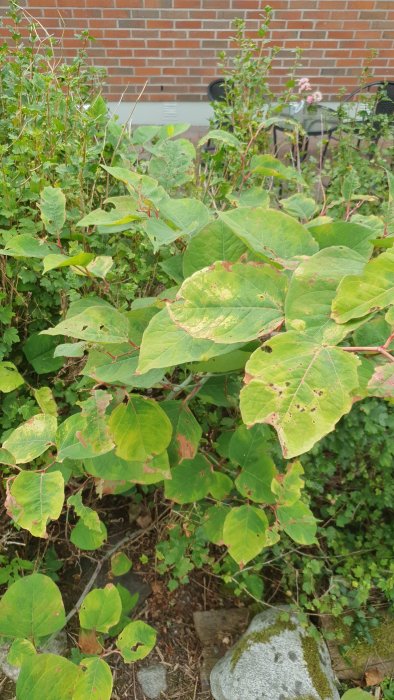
(317, 96)
(304, 85)
(310, 99)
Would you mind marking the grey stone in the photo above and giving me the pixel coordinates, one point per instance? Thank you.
(275, 659)
(57, 645)
(153, 681)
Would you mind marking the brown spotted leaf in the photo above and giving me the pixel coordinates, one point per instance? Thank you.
(186, 432)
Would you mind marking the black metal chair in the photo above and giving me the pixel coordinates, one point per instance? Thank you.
(383, 106)
(216, 90)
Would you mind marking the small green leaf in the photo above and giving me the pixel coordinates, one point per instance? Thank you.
(120, 564)
(20, 648)
(39, 351)
(70, 350)
(191, 481)
(34, 499)
(298, 522)
(101, 609)
(287, 487)
(267, 165)
(10, 378)
(140, 429)
(95, 683)
(356, 694)
(32, 608)
(213, 522)
(88, 516)
(45, 400)
(32, 439)
(52, 205)
(186, 432)
(136, 641)
(244, 533)
(86, 539)
(300, 206)
(222, 137)
(250, 450)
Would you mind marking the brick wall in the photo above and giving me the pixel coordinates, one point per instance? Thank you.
(174, 43)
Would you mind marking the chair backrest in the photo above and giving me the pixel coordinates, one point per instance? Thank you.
(216, 90)
(385, 101)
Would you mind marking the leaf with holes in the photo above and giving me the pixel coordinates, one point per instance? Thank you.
(244, 533)
(101, 609)
(31, 608)
(370, 291)
(140, 429)
(97, 324)
(313, 287)
(34, 498)
(186, 431)
(230, 303)
(136, 641)
(299, 387)
(32, 439)
(95, 682)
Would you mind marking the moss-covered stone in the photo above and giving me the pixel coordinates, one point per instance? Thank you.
(320, 682)
(261, 637)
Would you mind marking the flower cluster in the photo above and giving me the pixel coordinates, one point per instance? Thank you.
(305, 86)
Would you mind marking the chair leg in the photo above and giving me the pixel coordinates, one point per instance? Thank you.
(275, 139)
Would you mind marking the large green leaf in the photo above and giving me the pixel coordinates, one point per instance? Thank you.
(140, 429)
(344, 233)
(300, 387)
(39, 351)
(47, 676)
(298, 522)
(110, 467)
(214, 242)
(136, 641)
(26, 246)
(52, 205)
(191, 481)
(372, 290)
(244, 533)
(311, 291)
(165, 344)
(86, 434)
(97, 324)
(172, 162)
(95, 683)
(101, 609)
(230, 302)
(119, 369)
(10, 378)
(31, 608)
(32, 439)
(54, 262)
(249, 449)
(186, 431)
(35, 498)
(270, 232)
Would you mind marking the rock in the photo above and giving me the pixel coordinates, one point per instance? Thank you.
(275, 659)
(58, 645)
(153, 681)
